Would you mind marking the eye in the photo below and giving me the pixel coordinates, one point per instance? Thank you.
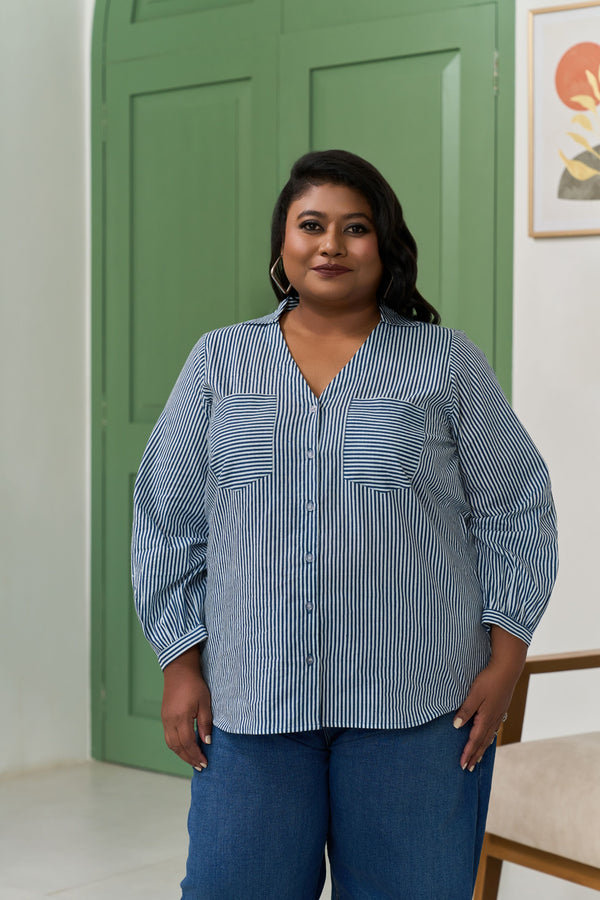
(310, 225)
(357, 228)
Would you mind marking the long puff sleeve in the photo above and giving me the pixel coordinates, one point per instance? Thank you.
(507, 484)
(170, 531)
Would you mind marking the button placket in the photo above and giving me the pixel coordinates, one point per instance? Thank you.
(310, 523)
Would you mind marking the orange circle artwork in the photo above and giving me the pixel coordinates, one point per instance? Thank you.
(571, 79)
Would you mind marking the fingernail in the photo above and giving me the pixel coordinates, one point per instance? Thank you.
(472, 768)
(464, 767)
(208, 739)
(197, 768)
(457, 722)
(479, 760)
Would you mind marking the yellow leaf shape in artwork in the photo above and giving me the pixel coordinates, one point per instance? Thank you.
(594, 83)
(585, 100)
(582, 120)
(583, 141)
(578, 169)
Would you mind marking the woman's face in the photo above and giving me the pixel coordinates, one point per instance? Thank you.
(330, 250)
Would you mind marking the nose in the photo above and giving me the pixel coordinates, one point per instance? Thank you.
(332, 243)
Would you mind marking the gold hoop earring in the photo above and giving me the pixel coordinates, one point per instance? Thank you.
(284, 291)
(387, 290)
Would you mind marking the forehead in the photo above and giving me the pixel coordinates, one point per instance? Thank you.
(332, 199)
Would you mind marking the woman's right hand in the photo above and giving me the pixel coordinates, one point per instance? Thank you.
(186, 698)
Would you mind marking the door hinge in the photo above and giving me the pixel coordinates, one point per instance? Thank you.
(495, 71)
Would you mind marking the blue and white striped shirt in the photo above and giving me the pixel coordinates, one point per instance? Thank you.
(340, 559)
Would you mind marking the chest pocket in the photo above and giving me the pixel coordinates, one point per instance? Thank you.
(241, 439)
(383, 442)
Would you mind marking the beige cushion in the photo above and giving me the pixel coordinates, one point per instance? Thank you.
(547, 794)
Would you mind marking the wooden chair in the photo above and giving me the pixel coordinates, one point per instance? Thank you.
(545, 803)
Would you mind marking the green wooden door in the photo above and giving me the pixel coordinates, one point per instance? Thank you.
(415, 96)
(200, 106)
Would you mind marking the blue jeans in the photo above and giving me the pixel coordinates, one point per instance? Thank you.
(400, 818)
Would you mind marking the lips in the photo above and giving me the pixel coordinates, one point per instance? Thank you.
(330, 271)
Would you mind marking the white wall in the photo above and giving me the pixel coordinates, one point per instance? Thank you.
(44, 382)
(556, 391)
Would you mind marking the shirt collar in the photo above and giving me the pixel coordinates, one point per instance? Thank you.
(389, 316)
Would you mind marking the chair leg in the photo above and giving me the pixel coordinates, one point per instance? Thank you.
(488, 875)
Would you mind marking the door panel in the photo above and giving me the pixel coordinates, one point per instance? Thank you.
(190, 204)
(415, 96)
(148, 29)
(313, 14)
(147, 10)
(342, 96)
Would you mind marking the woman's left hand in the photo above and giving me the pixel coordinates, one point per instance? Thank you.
(489, 698)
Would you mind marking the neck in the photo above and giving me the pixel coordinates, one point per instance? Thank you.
(329, 319)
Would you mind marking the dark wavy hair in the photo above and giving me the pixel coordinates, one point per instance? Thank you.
(397, 246)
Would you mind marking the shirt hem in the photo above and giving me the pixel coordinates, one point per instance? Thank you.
(382, 723)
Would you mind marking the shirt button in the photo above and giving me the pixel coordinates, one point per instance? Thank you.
(310, 506)
(314, 408)
(308, 557)
(310, 454)
(309, 607)
(309, 660)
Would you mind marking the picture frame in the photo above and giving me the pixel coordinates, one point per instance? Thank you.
(564, 120)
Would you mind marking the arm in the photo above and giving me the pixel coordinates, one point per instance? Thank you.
(490, 694)
(507, 486)
(169, 542)
(514, 528)
(186, 698)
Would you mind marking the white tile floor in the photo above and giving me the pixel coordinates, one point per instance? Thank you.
(93, 832)
(100, 832)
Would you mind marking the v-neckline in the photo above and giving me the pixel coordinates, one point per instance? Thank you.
(338, 374)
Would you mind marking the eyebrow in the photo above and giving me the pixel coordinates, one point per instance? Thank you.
(320, 215)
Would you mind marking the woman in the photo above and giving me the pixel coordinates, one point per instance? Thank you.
(343, 541)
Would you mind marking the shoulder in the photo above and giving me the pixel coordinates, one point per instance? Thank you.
(238, 333)
(452, 343)
(232, 348)
(467, 357)
(422, 338)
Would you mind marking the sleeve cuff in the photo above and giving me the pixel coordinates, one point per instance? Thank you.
(493, 617)
(180, 646)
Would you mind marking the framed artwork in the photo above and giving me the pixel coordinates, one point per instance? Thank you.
(564, 120)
